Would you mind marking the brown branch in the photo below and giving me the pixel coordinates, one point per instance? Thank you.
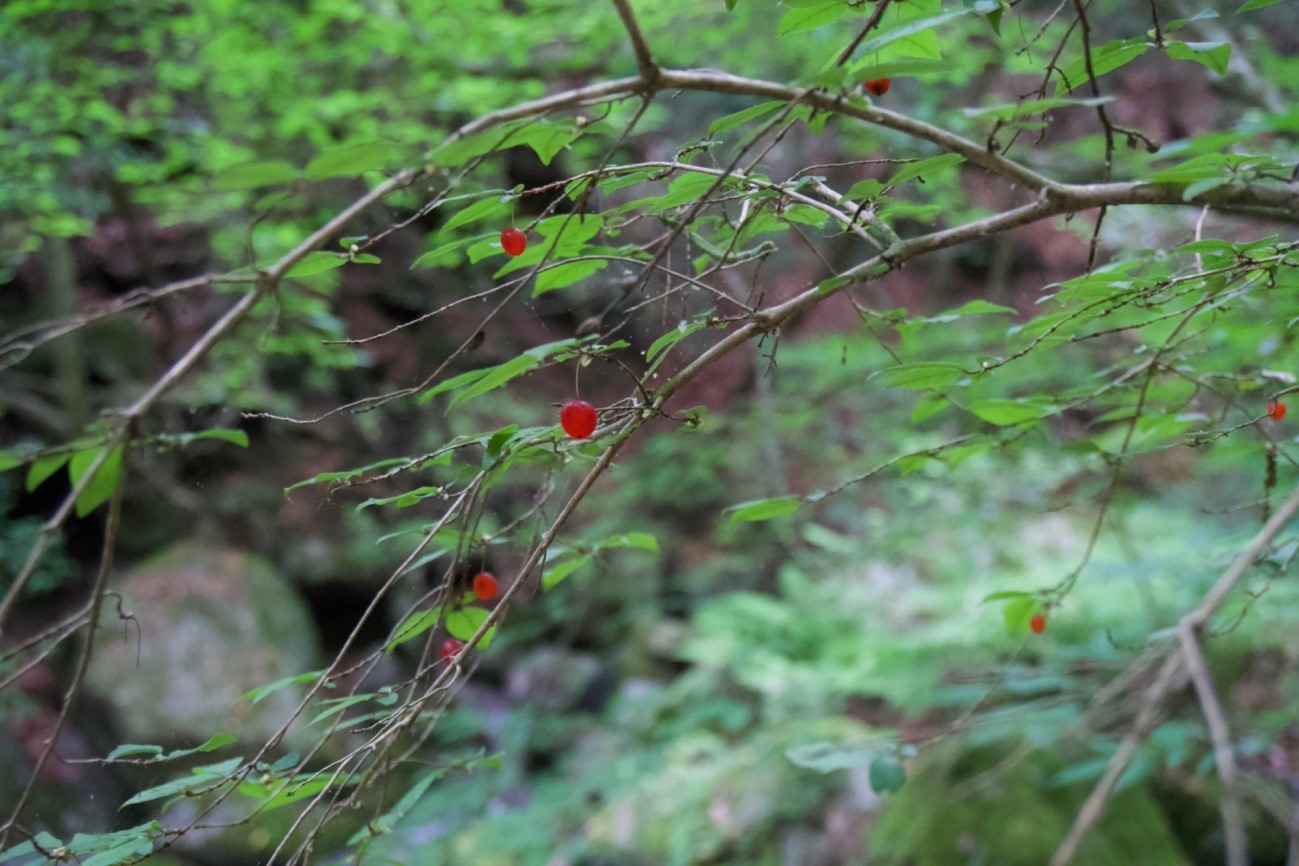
(1229, 800)
(1095, 803)
(649, 70)
(87, 651)
(1173, 665)
(871, 24)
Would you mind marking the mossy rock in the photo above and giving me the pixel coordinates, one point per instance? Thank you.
(981, 806)
(212, 624)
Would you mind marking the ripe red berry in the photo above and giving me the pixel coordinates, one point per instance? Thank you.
(450, 647)
(514, 242)
(578, 418)
(1037, 623)
(1275, 410)
(485, 585)
(878, 86)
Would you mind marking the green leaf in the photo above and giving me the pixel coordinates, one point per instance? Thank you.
(994, 20)
(415, 624)
(1009, 111)
(1203, 186)
(1005, 595)
(826, 757)
(155, 752)
(976, 308)
(923, 375)
(1017, 613)
(925, 167)
(496, 377)
(805, 214)
(1106, 58)
(479, 210)
(201, 779)
(257, 694)
(112, 848)
(638, 540)
(900, 69)
(555, 574)
(44, 839)
(478, 382)
(545, 138)
(1005, 413)
(43, 467)
(906, 31)
(384, 823)
(104, 482)
(887, 775)
(863, 189)
(1214, 55)
(658, 349)
(689, 187)
(433, 256)
(348, 474)
(286, 793)
(763, 509)
(464, 623)
(317, 263)
(1256, 4)
(403, 500)
(1201, 167)
(224, 434)
(9, 461)
(929, 406)
(131, 850)
(810, 16)
(557, 276)
(499, 439)
(739, 118)
(460, 381)
(250, 175)
(349, 160)
(128, 750)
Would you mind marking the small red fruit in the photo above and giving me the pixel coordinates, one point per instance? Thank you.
(1037, 623)
(450, 647)
(878, 86)
(514, 242)
(1275, 410)
(578, 418)
(485, 585)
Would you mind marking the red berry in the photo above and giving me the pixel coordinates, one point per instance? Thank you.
(485, 585)
(578, 418)
(1037, 623)
(1275, 410)
(878, 86)
(450, 647)
(514, 242)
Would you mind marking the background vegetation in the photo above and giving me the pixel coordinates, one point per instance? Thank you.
(941, 505)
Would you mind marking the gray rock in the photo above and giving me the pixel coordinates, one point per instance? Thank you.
(213, 623)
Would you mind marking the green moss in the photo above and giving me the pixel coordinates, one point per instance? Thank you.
(980, 807)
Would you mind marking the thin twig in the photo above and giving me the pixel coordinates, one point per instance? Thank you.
(644, 60)
(1229, 799)
(83, 660)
